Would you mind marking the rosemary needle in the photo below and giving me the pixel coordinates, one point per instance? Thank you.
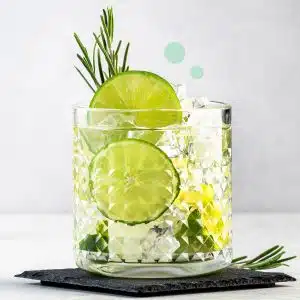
(268, 259)
(103, 47)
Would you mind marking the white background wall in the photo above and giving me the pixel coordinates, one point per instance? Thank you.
(250, 54)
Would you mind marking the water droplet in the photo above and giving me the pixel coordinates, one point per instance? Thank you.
(197, 72)
(175, 52)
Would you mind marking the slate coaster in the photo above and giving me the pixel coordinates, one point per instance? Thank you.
(227, 279)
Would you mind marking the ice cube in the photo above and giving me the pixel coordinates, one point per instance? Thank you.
(180, 90)
(187, 104)
(120, 120)
(199, 102)
(169, 143)
(125, 241)
(160, 243)
(111, 120)
(207, 146)
(87, 216)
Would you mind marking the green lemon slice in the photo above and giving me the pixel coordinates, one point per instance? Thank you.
(141, 90)
(133, 181)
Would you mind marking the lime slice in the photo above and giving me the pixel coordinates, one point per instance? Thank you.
(133, 182)
(144, 91)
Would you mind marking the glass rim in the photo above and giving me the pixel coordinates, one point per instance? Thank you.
(210, 105)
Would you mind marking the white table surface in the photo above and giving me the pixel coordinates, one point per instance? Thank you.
(45, 241)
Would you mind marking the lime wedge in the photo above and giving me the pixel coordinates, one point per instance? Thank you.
(144, 91)
(133, 182)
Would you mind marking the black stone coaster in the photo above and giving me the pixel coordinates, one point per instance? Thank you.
(227, 279)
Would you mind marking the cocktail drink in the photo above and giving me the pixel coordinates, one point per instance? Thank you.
(152, 181)
(152, 200)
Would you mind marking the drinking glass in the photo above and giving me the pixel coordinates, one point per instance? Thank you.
(152, 202)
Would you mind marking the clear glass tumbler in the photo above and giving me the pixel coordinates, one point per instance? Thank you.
(152, 202)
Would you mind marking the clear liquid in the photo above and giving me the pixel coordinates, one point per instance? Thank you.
(195, 228)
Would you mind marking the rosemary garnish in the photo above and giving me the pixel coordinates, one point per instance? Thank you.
(269, 259)
(103, 49)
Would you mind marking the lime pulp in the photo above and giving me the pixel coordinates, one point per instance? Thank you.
(133, 181)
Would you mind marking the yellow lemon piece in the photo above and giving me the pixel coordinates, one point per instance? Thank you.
(197, 199)
(215, 225)
(211, 213)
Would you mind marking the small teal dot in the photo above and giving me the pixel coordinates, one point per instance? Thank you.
(174, 53)
(197, 72)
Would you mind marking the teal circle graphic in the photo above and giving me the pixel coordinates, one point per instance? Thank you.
(197, 72)
(174, 52)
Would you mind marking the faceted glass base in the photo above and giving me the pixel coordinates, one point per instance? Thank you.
(155, 270)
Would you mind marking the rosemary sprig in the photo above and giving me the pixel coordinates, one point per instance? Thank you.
(269, 259)
(87, 82)
(103, 50)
